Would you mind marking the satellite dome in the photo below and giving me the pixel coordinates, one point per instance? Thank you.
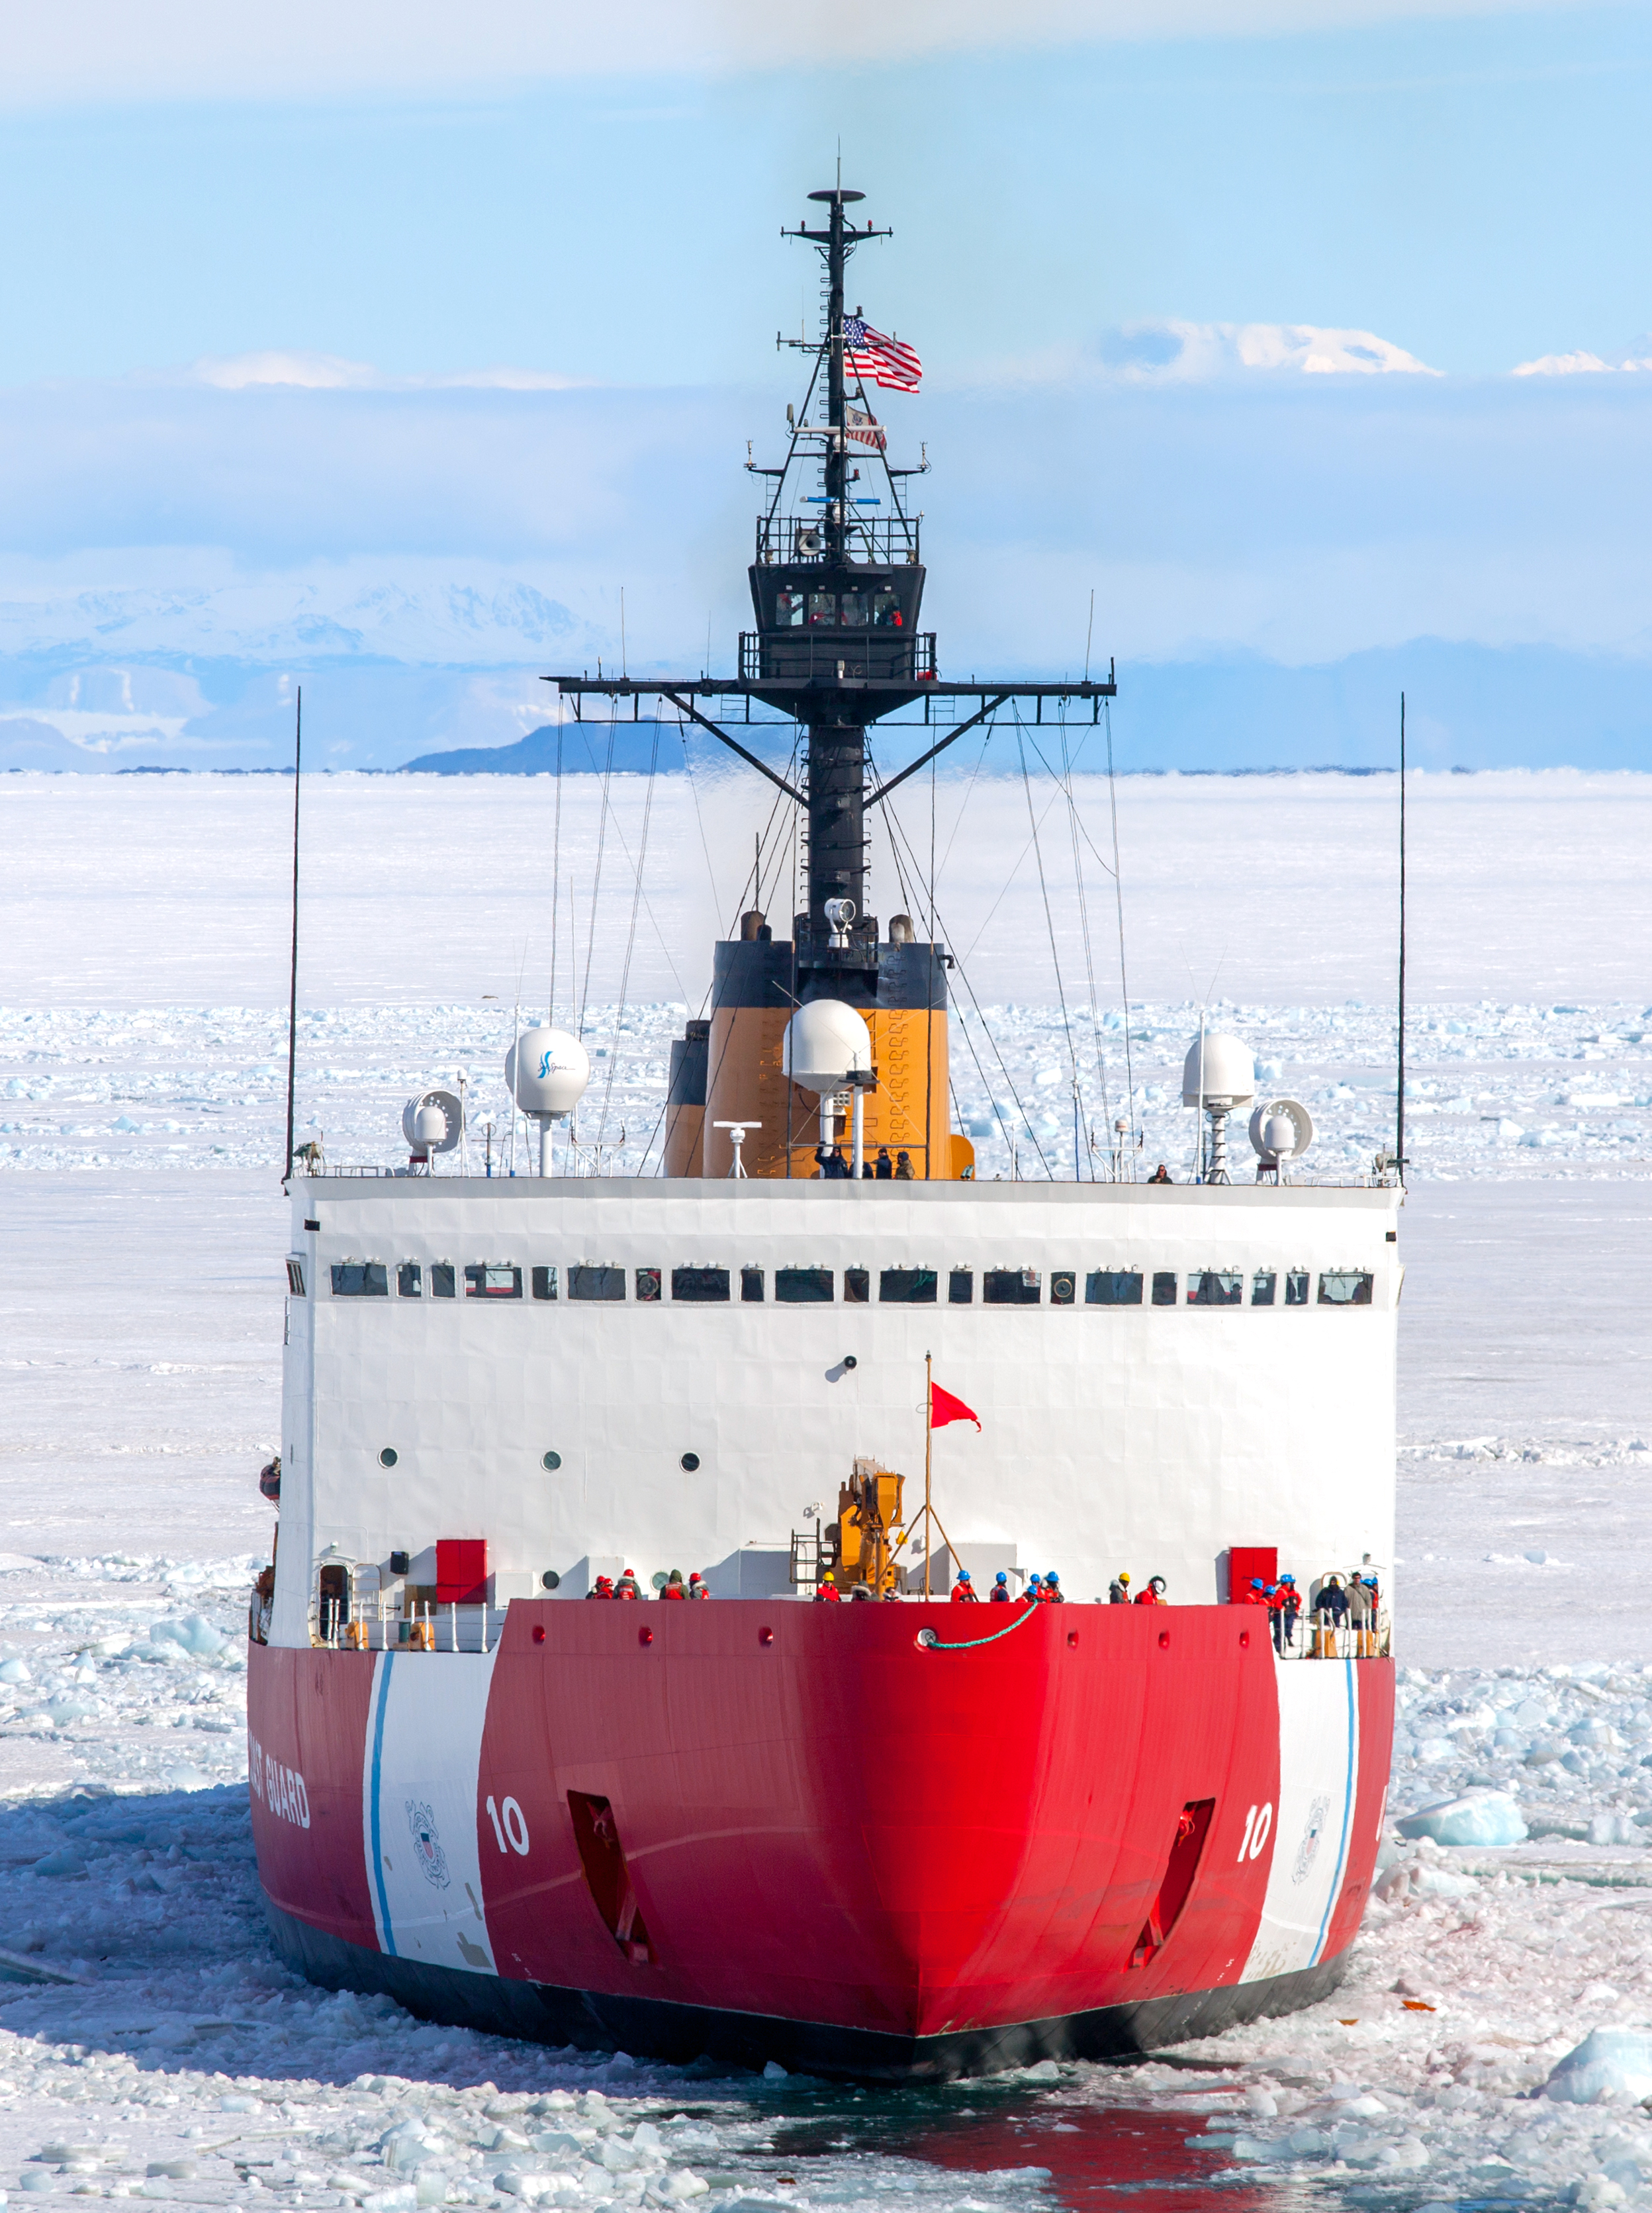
(825, 1043)
(432, 1122)
(1281, 1129)
(1218, 1072)
(546, 1071)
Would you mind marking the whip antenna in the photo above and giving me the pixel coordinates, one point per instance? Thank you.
(292, 971)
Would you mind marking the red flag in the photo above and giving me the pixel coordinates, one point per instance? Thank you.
(944, 1408)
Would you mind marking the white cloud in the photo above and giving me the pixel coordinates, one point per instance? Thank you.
(1577, 364)
(110, 51)
(328, 372)
(1173, 352)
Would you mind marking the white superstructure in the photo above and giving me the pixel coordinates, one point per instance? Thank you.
(679, 1373)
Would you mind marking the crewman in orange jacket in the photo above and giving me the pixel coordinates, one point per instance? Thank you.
(963, 1591)
(1153, 1595)
(828, 1591)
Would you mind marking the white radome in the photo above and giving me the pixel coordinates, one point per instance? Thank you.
(825, 1043)
(546, 1072)
(433, 1121)
(1226, 1077)
(1281, 1129)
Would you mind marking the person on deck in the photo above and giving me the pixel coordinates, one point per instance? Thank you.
(1292, 1607)
(673, 1585)
(1333, 1601)
(1257, 1594)
(1118, 1588)
(902, 1168)
(1052, 1593)
(627, 1587)
(828, 1591)
(1277, 1608)
(601, 1588)
(1161, 1175)
(697, 1587)
(1153, 1594)
(1360, 1608)
(886, 1168)
(964, 1592)
(1035, 1590)
(999, 1593)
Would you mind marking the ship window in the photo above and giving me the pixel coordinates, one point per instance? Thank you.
(751, 1286)
(545, 1283)
(885, 611)
(410, 1280)
(1263, 1285)
(803, 1287)
(907, 1287)
(1346, 1287)
(822, 607)
(1113, 1287)
(360, 1279)
(700, 1286)
(858, 1287)
(1064, 1286)
(1009, 1287)
(648, 1286)
(486, 1281)
(585, 1283)
(443, 1284)
(295, 1278)
(1216, 1287)
(1296, 1282)
(1164, 1287)
(857, 612)
(788, 610)
(961, 1287)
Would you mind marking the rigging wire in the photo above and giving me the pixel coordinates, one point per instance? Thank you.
(1055, 957)
(596, 885)
(940, 925)
(1119, 895)
(1084, 924)
(556, 881)
(631, 938)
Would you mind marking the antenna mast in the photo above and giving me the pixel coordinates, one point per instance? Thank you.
(292, 973)
(1399, 1083)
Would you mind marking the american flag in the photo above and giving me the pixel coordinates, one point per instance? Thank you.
(885, 361)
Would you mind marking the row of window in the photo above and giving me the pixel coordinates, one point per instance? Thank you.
(853, 610)
(601, 1284)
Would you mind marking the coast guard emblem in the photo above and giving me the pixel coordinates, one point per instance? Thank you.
(1307, 1851)
(427, 1841)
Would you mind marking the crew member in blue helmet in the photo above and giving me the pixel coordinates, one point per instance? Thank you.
(1035, 1590)
(999, 1593)
(1052, 1593)
(1292, 1606)
(964, 1591)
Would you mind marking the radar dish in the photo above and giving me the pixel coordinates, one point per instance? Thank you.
(546, 1071)
(1281, 1129)
(453, 1122)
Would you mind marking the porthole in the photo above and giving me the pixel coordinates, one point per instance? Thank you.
(549, 1580)
(552, 1462)
(689, 1462)
(388, 1457)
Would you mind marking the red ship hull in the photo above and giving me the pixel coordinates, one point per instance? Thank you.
(792, 1832)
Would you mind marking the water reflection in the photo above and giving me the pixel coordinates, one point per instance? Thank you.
(1091, 2154)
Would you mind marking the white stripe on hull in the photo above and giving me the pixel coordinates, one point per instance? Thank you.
(418, 1808)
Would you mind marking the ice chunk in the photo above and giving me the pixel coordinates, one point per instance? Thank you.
(773, 2071)
(1610, 2066)
(194, 1633)
(1045, 2071)
(14, 1671)
(188, 1777)
(65, 1860)
(1487, 1818)
(680, 2185)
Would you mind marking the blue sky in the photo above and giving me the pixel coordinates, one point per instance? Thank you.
(451, 224)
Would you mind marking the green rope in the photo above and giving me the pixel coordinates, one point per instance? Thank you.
(928, 1642)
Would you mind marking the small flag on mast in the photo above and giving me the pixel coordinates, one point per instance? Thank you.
(888, 361)
(864, 429)
(944, 1408)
